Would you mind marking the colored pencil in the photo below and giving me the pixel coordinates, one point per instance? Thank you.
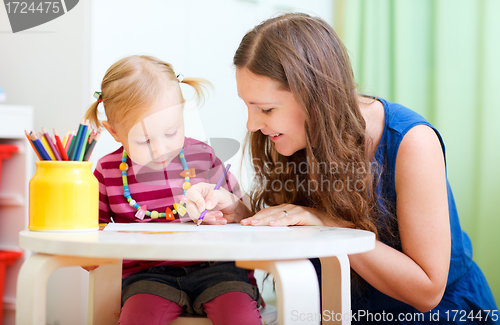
(64, 156)
(39, 145)
(71, 142)
(46, 146)
(91, 146)
(219, 183)
(80, 143)
(74, 144)
(84, 144)
(32, 145)
(53, 148)
(65, 139)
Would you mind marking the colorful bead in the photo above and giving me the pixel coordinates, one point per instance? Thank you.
(188, 173)
(142, 210)
(169, 215)
(180, 209)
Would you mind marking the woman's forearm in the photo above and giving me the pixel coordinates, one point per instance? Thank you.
(397, 275)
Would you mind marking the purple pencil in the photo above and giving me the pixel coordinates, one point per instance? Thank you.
(51, 144)
(217, 186)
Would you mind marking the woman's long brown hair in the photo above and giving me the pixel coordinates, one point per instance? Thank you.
(306, 56)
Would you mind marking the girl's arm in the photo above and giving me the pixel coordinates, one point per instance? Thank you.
(224, 206)
(418, 274)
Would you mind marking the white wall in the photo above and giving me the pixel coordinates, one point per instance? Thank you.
(56, 68)
(47, 67)
(199, 38)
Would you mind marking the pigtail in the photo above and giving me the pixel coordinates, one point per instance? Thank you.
(201, 87)
(92, 115)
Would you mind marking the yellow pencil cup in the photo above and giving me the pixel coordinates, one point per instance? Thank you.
(64, 196)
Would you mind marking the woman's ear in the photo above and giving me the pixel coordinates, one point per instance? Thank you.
(111, 130)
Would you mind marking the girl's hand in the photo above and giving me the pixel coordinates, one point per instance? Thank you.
(285, 215)
(222, 205)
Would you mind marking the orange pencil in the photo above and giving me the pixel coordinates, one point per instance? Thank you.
(32, 146)
(60, 146)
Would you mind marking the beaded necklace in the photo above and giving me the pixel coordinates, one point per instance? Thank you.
(142, 211)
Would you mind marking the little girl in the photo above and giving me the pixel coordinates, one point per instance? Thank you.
(144, 180)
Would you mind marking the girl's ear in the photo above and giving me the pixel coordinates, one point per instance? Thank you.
(111, 130)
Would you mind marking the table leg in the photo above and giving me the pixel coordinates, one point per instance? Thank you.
(105, 288)
(297, 289)
(336, 289)
(32, 282)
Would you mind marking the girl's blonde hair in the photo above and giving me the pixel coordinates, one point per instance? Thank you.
(133, 83)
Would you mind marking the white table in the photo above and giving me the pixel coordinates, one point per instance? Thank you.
(284, 254)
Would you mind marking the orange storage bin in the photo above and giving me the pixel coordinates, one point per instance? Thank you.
(6, 151)
(6, 258)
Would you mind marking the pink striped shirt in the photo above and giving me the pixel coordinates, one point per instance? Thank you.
(156, 189)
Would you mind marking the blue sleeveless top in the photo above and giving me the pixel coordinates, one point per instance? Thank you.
(467, 289)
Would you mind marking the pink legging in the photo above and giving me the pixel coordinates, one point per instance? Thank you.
(232, 308)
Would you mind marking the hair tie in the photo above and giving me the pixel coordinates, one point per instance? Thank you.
(180, 77)
(98, 96)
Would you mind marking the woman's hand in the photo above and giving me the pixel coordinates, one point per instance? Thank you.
(286, 215)
(222, 206)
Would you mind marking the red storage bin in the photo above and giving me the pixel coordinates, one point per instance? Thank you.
(6, 151)
(6, 258)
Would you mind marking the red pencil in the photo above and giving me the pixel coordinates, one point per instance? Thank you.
(60, 146)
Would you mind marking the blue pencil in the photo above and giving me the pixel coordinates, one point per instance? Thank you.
(39, 147)
(81, 143)
(76, 141)
(219, 183)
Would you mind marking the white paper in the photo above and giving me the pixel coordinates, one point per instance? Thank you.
(182, 227)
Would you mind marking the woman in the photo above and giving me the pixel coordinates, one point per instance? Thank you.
(371, 165)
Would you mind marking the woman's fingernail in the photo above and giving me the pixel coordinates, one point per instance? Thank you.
(245, 221)
(254, 222)
(208, 205)
(272, 222)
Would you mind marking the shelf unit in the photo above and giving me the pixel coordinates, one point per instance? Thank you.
(14, 190)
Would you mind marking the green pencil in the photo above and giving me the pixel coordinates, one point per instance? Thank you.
(85, 143)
